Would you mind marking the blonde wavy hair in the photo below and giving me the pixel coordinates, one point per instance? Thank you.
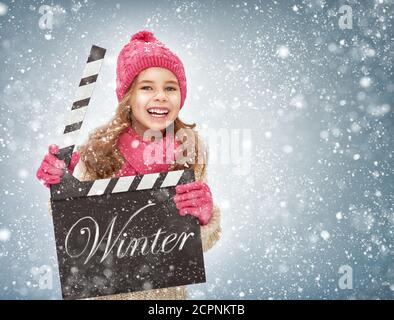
(102, 158)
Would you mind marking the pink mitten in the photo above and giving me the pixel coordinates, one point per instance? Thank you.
(195, 198)
(51, 168)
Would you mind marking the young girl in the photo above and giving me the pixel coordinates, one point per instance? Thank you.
(151, 90)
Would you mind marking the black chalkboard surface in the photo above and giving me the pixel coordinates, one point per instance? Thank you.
(124, 234)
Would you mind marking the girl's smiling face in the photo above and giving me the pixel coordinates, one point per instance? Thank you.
(155, 100)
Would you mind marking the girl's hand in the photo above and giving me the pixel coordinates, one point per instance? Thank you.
(52, 168)
(196, 199)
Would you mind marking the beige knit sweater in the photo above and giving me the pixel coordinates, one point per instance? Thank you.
(210, 234)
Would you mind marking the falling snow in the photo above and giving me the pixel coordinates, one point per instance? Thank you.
(318, 100)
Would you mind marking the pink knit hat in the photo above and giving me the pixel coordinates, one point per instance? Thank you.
(145, 51)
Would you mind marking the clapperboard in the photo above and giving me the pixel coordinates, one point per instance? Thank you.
(124, 234)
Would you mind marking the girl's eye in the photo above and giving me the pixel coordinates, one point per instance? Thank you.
(150, 88)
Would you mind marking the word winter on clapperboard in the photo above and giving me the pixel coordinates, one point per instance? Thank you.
(123, 243)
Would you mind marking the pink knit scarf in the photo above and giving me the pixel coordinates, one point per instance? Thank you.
(133, 147)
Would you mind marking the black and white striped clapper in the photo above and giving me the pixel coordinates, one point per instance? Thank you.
(81, 101)
(120, 235)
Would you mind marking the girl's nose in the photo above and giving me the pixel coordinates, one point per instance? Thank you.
(160, 96)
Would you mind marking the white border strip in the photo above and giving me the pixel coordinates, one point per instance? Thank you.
(172, 178)
(123, 184)
(77, 115)
(85, 91)
(147, 181)
(69, 139)
(92, 68)
(98, 187)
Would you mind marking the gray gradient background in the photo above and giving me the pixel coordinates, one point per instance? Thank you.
(318, 195)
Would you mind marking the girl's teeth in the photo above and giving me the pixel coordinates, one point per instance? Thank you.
(158, 113)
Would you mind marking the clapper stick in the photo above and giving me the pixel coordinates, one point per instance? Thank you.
(78, 110)
(81, 102)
